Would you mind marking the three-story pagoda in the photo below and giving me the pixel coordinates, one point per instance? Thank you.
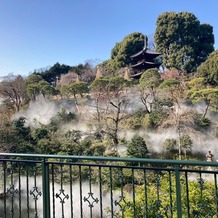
(144, 60)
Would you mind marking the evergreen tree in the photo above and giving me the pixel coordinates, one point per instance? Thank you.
(137, 147)
(184, 42)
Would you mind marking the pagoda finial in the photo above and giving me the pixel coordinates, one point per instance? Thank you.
(145, 42)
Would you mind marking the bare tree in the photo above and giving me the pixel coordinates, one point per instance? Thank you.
(66, 79)
(111, 101)
(13, 90)
(147, 87)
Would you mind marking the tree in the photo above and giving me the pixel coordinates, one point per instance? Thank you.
(179, 118)
(54, 72)
(209, 69)
(157, 198)
(86, 72)
(183, 41)
(15, 137)
(46, 89)
(40, 133)
(111, 100)
(71, 143)
(36, 85)
(98, 89)
(21, 129)
(209, 96)
(63, 116)
(196, 84)
(172, 90)
(148, 84)
(46, 140)
(48, 146)
(24, 142)
(8, 137)
(178, 147)
(186, 143)
(206, 42)
(120, 54)
(137, 148)
(78, 88)
(13, 90)
(66, 79)
(170, 145)
(75, 89)
(33, 89)
(74, 135)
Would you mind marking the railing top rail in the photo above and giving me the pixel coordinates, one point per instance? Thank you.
(111, 159)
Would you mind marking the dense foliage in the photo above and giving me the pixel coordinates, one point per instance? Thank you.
(183, 41)
(209, 69)
(120, 54)
(160, 202)
(137, 147)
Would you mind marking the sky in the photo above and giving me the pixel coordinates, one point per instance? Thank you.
(36, 34)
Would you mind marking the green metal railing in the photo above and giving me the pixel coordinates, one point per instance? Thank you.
(78, 186)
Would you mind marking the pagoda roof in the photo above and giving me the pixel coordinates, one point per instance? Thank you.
(136, 75)
(146, 64)
(146, 52)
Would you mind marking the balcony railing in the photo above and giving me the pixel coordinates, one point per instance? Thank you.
(78, 186)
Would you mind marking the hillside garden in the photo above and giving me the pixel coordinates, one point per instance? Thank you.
(169, 113)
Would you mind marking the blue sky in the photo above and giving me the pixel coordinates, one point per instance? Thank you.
(38, 33)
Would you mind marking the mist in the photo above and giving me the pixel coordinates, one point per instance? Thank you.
(72, 196)
(43, 110)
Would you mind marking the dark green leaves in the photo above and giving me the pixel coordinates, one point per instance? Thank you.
(183, 41)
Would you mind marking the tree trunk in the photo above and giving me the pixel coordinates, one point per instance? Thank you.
(206, 109)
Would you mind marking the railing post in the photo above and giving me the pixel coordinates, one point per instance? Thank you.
(178, 193)
(1, 178)
(46, 189)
